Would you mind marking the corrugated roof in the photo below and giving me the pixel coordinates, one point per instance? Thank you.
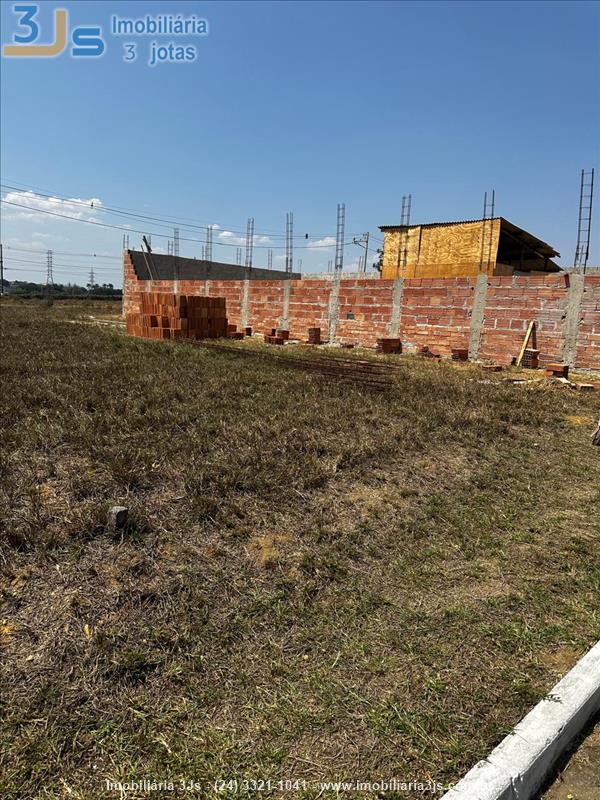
(510, 226)
(431, 224)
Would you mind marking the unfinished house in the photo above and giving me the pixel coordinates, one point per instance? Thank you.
(456, 249)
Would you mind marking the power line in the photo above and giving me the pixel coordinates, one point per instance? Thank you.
(154, 233)
(160, 220)
(60, 252)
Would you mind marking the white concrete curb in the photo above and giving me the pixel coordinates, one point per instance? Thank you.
(518, 767)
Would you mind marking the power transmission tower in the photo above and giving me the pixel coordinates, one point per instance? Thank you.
(125, 241)
(209, 242)
(1, 271)
(49, 275)
(249, 242)
(238, 255)
(339, 237)
(270, 259)
(175, 241)
(289, 242)
(329, 265)
(169, 247)
(487, 230)
(584, 225)
(299, 265)
(92, 280)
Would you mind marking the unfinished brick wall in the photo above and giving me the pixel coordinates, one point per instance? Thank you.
(512, 302)
(437, 312)
(309, 306)
(588, 339)
(365, 310)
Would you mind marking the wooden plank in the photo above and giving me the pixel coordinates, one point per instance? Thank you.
(530, 330)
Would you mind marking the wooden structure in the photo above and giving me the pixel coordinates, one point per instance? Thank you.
(457, 249)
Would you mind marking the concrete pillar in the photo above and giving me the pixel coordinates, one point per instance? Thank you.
(571, 318)
(245, 292)
(334, 307)
(284, 321)
(477, 316)
(397, 296)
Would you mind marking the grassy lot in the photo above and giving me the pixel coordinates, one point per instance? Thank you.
(318, 582)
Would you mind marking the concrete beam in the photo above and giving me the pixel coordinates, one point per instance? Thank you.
(477, 316)
(397, 297)
(284, 319)
(334, 307)
(571, 320)
(245, 292)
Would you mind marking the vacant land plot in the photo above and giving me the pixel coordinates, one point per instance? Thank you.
(319, 582)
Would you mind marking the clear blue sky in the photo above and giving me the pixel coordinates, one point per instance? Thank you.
(299, 106)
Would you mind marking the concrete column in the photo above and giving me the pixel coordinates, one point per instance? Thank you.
(284, 319)
(571, 318)
(397, 296)
(477, 316)
(245, 292)
(334, 307)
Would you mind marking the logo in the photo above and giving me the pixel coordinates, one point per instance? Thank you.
(85, 40)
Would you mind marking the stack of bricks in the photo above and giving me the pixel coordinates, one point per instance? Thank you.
(557, 371)
(314, 336)
(388, 346)
(172, 316)
(460, 354)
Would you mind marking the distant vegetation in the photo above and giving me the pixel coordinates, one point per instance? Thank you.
(61, 291)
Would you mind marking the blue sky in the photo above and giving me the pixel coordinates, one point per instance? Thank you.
(296, 107)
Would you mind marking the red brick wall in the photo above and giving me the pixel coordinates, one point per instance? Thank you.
(265, 304)
(309, 306)
(511, 303)
(588, 340)
(437, 312)
(370, 302)
(434, 312)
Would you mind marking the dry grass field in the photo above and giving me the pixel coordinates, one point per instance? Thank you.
(318, 582)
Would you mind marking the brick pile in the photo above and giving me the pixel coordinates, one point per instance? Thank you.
(314, 336)
(388, 346)
(173, 316)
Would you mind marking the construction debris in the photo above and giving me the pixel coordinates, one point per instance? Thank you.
(174, 316)
(557, 371)
(531, 359)
(117, 518)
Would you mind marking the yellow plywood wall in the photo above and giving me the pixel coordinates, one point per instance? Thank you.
(443, 251)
